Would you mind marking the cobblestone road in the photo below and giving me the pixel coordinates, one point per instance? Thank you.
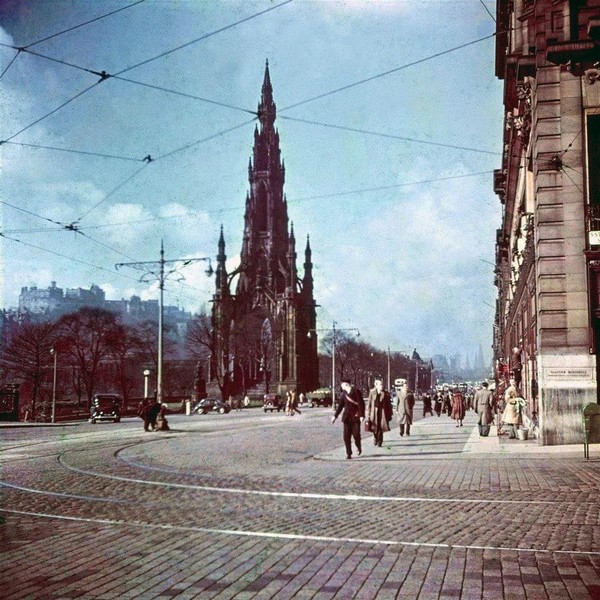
(249, 505)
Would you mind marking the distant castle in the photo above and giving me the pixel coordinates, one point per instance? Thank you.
(53, 302)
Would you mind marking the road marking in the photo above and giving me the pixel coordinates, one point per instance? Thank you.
(315, 496)
(297, 536)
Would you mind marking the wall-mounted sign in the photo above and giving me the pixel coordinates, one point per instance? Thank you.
(569, 373)
(594, 238)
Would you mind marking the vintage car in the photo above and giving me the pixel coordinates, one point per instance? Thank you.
(272, 402)
(211, 405)
(320, 397)
(106, 407)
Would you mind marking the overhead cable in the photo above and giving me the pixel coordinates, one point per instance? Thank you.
(28, 212)
(132, 176)
(73, 151)
(49, 37)
(389, 72)
(206, 139)
(389, 187)
(203, 37)
(77, 260)
(183, 94)
(389, 135)
(10, 63)
(488, 10)
(78, 95)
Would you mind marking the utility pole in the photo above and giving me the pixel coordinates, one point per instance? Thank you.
(389, 381)
(55, 355)
(155, 270)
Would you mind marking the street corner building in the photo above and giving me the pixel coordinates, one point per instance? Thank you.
(547, 329)
(264, 335)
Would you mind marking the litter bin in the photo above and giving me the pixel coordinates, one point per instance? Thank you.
(522, 434)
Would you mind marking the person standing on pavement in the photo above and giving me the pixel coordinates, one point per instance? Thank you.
(511, 415)
(427, 408)
(379, 411)
(437, 403)
(153, 412)
(353, 406)
(484, 404)
(142, 412)
(404, 410)
(458, 407)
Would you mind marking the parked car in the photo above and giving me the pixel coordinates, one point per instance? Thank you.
(211, 405)
(272, 402)
(320, 397)
(106, 407)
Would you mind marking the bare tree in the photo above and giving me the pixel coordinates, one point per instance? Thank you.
(26, 356)
(85, 336)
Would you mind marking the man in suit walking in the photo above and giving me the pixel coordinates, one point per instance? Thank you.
(353, 406)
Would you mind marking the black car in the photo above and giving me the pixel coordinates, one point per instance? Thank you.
(272, 402)
(106, 407)
(211, 405)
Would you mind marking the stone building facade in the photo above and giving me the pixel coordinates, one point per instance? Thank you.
(548, 245)
(264, 333)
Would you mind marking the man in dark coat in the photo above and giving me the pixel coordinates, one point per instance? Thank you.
(353, 406)
(153, 412)
(379, 411)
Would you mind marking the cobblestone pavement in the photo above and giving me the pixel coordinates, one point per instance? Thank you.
(250, 505)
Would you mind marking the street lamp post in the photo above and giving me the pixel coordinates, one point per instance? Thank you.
(55, 355)
(156, 270)
(146, 375)
(334, 330)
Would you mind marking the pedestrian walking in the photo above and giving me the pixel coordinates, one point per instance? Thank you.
(404, 410)
(427, 408)
(458, 407)
(484, 405)
(437, 403)
(379, 411)
(447, 403)
(511, 415)
(293, 402)
(352, 408)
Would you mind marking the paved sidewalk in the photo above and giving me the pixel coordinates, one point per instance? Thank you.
(440, 438)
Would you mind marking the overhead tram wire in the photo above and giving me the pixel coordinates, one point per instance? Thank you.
(49, 37)
(488, 10)
(10, 63)
(183, 94)
(77, 227)
(77, 260)
(28, 212)
(389, 72)
(74, 151)
(78, 95)
(389, 135)
(203, 37)
(132, 176)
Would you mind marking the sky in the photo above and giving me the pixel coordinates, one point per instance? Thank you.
(390, 119)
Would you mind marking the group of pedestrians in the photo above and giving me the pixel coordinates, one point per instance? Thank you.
(377, 414)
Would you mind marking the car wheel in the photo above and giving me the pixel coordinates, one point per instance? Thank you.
(265, 409)
(118, 420)
(93, 421)
(221, 411)
(204, 411)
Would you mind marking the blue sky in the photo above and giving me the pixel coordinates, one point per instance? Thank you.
(402, 232)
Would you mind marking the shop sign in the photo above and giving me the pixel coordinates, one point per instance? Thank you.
(594, 238)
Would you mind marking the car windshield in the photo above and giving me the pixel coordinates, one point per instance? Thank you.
(106, 403)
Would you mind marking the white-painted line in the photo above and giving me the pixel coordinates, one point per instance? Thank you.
(315, 496)
(297, 536)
